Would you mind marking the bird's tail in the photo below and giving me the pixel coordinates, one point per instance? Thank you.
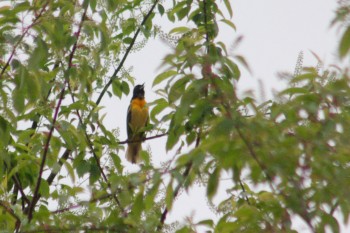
(133, 152)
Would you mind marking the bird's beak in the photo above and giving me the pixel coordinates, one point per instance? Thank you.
(143, 85)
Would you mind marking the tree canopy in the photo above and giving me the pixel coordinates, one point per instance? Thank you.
(60, 58)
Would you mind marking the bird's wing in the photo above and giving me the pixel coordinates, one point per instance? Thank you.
(128, 120)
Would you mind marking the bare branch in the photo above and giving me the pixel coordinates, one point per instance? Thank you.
(144, 139)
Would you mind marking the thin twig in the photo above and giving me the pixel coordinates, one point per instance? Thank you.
(244, 191)
(114, 75)
(205, 13)
(179, 186)
(90, 144)
(63, 158)
(47, 144)
(21, 38)
(176, 192)
(46, 149)
(74, 229)
(144, 139)
(13, 214)
(82, 203)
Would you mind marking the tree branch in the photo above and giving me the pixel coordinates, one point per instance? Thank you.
(178, 187)
(74, 229)
(21, 38)
(12, 213)
(114, 75)
(176, 192)
(82, 203)
(63, 158)
(46, 149)
(36, 195)
(144, 139)
(205, 13)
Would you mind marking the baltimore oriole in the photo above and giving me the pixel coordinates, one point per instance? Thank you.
(137, 118)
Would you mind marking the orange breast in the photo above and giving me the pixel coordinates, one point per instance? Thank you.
(139, 114)
(138, 103)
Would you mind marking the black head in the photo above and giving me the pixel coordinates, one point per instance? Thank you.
(139, 91)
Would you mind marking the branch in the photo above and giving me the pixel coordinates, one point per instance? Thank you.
(244, 191)
(36, 195)
(144, 139)
(176, 192)
(18, 184)
(178, 187)
(12, 213)
(63, 158)
(21, 38)
(46, 149)
(82, 203)
(90, 144)
(114, 75)
(255, 157)
(16, 178)
(206, 25)
(74, 229)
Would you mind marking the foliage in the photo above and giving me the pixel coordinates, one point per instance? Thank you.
(56, 68)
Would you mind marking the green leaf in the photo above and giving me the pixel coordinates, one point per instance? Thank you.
(39, 56)
(171, 141)
(117, 88)
(294, 90)
(161, 77)
(138, 205)
(34, 88)
(4, 132)
(125, 88)
(82, 167)
(236, 73)
(178, 88)
(176, 129)
(229, 23)
(207, 222)
(169, 197)
(161, 104)
(344, 45)
(213, 183)
(161, 9)
(179, 30)
(44, 188)
(70, 170)
(94, 171)
(18, 100)
(228, 7)
(127, 40)
(181, 14)
(151, 194)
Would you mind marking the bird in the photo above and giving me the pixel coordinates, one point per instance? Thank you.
(137, 118)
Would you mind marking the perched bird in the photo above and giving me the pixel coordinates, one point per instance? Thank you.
(137, 118)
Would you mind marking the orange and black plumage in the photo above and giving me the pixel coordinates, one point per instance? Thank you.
(137, 119)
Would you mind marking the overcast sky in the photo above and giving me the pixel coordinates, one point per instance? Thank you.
(274, 32)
